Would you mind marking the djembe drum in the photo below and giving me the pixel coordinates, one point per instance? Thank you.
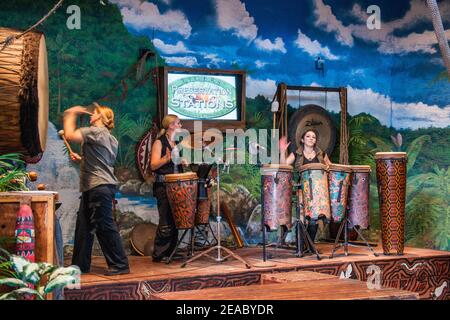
(338, 185)
(358, 201)
(24, 94)
(391, 181)
(277, 192)
(314, 184)
(181, 191)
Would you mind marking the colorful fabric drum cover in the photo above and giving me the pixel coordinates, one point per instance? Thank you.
(358, 202)
(391, 180)
(181, 191)
(203, 209)
(25, 239)
(316, 198)
(276, 180)
(338, 182)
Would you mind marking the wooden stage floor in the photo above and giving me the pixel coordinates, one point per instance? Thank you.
(424, 271)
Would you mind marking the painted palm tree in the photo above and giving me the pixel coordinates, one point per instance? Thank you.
(440, 33)
(357, 144)
(428, 211)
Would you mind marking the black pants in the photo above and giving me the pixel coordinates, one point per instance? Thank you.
(95, 217)
(167, 234)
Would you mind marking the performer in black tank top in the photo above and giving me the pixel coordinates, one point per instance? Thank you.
(162, 164)
(307, 153)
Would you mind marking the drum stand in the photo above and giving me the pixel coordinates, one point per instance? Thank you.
(303, 234)
(345, 225)
(191, 244)
(219, 247)
(201, 229)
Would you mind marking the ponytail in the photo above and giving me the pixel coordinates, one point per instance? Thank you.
(166, 122)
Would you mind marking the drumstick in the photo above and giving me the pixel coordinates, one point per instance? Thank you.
(61, 134)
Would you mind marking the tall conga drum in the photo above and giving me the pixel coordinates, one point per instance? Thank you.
(391, 180)
(181, 191)
(276, 182)
(23, 94)
(316, 197)
(358, 201)
(338, 184)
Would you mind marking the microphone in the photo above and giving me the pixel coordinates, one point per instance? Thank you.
(176, 158)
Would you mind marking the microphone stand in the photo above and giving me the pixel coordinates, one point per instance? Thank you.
(219, 247)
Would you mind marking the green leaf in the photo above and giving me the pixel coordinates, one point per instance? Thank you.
(414, 149)
(21, 292)
(71, 271)
(13, 282)
(61, 282)
(381, 146)
(19, 264)
(31, 273)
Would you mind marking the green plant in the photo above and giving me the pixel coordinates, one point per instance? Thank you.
(12, 173)
(33, 279)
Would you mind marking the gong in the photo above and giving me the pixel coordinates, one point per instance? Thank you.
(316, 118)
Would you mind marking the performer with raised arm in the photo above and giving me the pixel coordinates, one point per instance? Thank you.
(308, 152)
(98, 186)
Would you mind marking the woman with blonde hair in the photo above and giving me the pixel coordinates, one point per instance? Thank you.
(98, 186)
(162, 164)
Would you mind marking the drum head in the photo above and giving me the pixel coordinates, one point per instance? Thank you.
(42, 84)
(280, 167)
(181, 176)
(361, 168)
(313, 166)
(390, 155)
(340, 167)
(143, 237)
(312, 117)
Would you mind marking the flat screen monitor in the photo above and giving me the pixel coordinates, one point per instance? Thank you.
(215, 97)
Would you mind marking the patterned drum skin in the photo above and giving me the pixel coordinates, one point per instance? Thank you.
(203, 209)
(391, 181)
(314, 184)
(276, 180)
(181, 191)
(358, 202)
(339, 177)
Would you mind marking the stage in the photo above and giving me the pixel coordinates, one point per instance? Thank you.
(424, 271)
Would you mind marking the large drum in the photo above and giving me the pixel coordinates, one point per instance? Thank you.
(338, 183)
(358, 202)
(142, 238)
(23, 94)
(391, 180)
(276, 180)
(181, 191)
(314, 184)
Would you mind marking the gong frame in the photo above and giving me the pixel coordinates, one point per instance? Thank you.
(281, 118)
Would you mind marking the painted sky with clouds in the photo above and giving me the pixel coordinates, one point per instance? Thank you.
(394, 67)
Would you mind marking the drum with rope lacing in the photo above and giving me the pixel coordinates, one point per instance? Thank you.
(24, 99)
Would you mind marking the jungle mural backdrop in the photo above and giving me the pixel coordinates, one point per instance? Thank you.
(398, 89)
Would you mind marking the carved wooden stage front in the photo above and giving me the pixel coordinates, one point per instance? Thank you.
(424, 271)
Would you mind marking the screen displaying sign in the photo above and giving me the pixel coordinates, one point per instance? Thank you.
(202, 97)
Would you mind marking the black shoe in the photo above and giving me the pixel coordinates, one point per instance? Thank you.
(116, 272)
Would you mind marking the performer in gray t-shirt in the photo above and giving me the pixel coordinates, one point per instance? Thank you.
(98, 187)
